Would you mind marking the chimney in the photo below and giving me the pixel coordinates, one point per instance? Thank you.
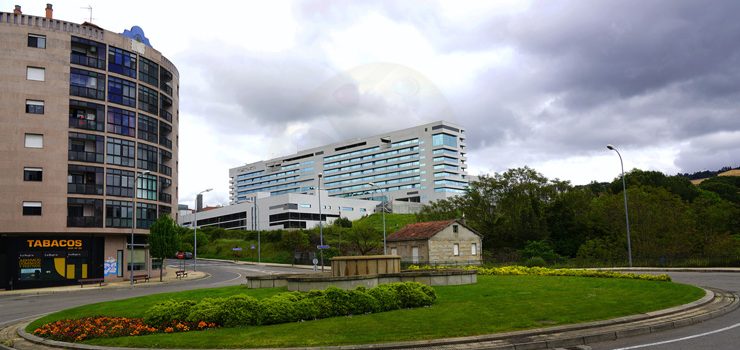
(49, 12)
(17, 10)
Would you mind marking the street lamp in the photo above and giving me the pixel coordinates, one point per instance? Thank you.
(385, 250)
(626, 214)
(195, 232)
(255, 227)
(321, 227)
(133, 224)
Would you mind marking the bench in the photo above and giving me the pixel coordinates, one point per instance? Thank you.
(138, 278)
(181, 273)
(83, 281)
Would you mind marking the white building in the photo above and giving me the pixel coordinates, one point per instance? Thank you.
(418, 164)
(290, 210)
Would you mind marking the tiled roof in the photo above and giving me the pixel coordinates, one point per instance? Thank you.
(418, 231)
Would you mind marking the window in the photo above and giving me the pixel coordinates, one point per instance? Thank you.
(86, 115)
(165, 82)
(86, 147)
(147, 157)
(146, 187)
(121, 121)
(118, 213)
(394, 251)
(84, 179)
(444, 140)
(84, 212)
(37, 41)
(347, 209)
(456, 249)
(31, 208)
(87, 53)
(34, 107)
(119, 183)
(34, 141)
(148, 99)
(32, 174)
(455, 229)
(86, 84)
(146, 214)
(148, 128)
(474, 249)
(122, 91)
(120, 152)
(35, 73)
(121, 62)
(149, 72)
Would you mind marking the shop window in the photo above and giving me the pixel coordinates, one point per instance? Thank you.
(31, 208)
(37, 41)
(33, 174)
(35, 73)
(34, 107)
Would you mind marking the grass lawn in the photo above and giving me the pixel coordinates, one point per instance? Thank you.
(494, 304)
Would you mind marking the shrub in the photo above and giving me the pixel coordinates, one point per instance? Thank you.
(361, 302)
(542, 271)
(241, 310)
(278, 309)
(410, 294)
(535, 261)
(208, 310)
(385, 294)
(168, 311)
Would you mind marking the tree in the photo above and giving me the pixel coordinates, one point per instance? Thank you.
(163, 240)
(364, 238)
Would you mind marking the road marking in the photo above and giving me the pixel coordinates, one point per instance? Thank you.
(681, 339)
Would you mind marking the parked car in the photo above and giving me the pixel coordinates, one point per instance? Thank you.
(183, 255)
(188, 255)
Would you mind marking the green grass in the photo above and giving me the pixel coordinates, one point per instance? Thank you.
(393, 222)
(494, 304)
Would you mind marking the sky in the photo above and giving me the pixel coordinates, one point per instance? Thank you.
(544, 84)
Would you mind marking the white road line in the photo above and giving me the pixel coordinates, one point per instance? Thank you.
(681, 339)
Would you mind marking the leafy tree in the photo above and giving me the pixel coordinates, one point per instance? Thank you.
(540, 249)
(567, 222)
(727, 187)
(294, 240)
(443, 209)
(343, 222)
(163, 240)
(364, 238)
(678, 185)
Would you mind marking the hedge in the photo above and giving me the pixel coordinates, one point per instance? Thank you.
(244, 310)
(543, 271)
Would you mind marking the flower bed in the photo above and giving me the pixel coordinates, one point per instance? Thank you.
(543, 271)
(107, 327)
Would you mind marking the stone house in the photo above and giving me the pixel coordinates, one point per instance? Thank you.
(448, 242)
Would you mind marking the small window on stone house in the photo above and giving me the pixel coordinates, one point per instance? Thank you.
(455, 229)
(456, 249)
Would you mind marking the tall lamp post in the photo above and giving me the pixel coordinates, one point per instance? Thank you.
(321, 226)
(133, 224)
(195, 232)
(385, 250)
(626, 214)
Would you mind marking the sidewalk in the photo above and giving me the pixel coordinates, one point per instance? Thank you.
(169, 277)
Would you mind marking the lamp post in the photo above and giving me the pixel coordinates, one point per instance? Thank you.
(133, 224)
(626, 214)
(321, 226)
(195, 232)
(385, 249)
(255, 227)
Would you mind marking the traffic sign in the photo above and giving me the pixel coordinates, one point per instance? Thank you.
(322, 247)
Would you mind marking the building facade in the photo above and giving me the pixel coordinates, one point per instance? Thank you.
(448, 242)
(261, 211)
(418, 164)
(84, 113)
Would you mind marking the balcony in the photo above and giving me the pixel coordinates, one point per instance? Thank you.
(86, 156)
(84, 221)
(165, 115)
(165, 142)
(165, 170)
(84, 189)
(165, 197)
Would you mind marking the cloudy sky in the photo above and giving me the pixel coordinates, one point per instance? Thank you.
(545, 84)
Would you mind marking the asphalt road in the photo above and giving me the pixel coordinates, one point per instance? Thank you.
(722, 333)
(14, 308)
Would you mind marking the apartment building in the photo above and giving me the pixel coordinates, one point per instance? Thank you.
(88, 146)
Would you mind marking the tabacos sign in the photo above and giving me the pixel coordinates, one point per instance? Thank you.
(55, 243)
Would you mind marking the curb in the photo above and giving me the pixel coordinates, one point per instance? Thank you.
(112, 285)
(543, 338)
(306, 267)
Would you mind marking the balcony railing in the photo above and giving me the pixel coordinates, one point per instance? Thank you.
(84, 221)
(87, 156)
(84, 189)
(165, 197)
(165, 170)
(165, 115)
(165, 142)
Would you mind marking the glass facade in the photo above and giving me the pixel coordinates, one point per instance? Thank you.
(121, 121)
(86, 115)
(121, 62)
(86, 83)
(121, 152)
(122, 92)
(444, 140)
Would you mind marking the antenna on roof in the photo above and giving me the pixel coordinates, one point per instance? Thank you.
(89, 7)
